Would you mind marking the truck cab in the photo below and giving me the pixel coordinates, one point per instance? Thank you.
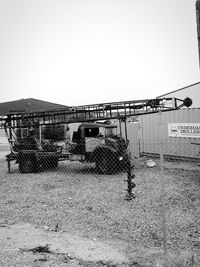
(99, 143)
(91, 135)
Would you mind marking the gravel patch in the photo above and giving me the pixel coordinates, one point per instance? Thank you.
(76, 200)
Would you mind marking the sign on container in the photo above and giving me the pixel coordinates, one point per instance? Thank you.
(191, 130)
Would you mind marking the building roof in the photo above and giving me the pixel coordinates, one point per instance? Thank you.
(27, 104)
(183, 88)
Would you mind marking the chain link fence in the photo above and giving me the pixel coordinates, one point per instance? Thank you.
(97, 149)
(115, 156)
(148, 200)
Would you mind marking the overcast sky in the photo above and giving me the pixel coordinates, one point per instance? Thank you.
(75, 52)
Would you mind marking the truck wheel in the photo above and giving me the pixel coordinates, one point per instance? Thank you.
(105, 163)
(27, 165)
(53, 164)
(50, 164)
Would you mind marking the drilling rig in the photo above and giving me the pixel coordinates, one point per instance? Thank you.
(95, 141)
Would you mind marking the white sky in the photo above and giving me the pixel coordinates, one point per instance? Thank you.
(75, 52)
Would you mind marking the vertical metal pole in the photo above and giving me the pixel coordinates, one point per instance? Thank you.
(162, 197)
(198, 25)
(125, 125)
(40, 133)
(9, 136)
(120, 127)
(9, 127)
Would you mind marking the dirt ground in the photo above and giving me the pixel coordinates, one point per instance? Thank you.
(73, 216)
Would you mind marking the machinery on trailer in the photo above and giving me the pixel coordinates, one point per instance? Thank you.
(94, 141)
(99, 143)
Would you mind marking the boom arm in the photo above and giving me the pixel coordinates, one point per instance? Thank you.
(89, 113)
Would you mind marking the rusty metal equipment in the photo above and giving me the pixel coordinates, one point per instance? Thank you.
(81, 114)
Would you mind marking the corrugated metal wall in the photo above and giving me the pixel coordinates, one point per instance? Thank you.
(150, 133)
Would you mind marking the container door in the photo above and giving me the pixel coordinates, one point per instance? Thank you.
(133, 137)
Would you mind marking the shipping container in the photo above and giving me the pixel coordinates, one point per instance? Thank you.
(154, 133)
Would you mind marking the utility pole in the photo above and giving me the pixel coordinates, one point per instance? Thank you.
(198, 25)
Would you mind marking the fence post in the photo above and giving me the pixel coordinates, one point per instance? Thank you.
(162, 195)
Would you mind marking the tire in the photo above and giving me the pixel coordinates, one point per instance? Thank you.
(105, 162)
(27, 165)
(50, 164)
(53, 164)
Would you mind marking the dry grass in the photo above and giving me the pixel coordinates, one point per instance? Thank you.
(81, 201)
